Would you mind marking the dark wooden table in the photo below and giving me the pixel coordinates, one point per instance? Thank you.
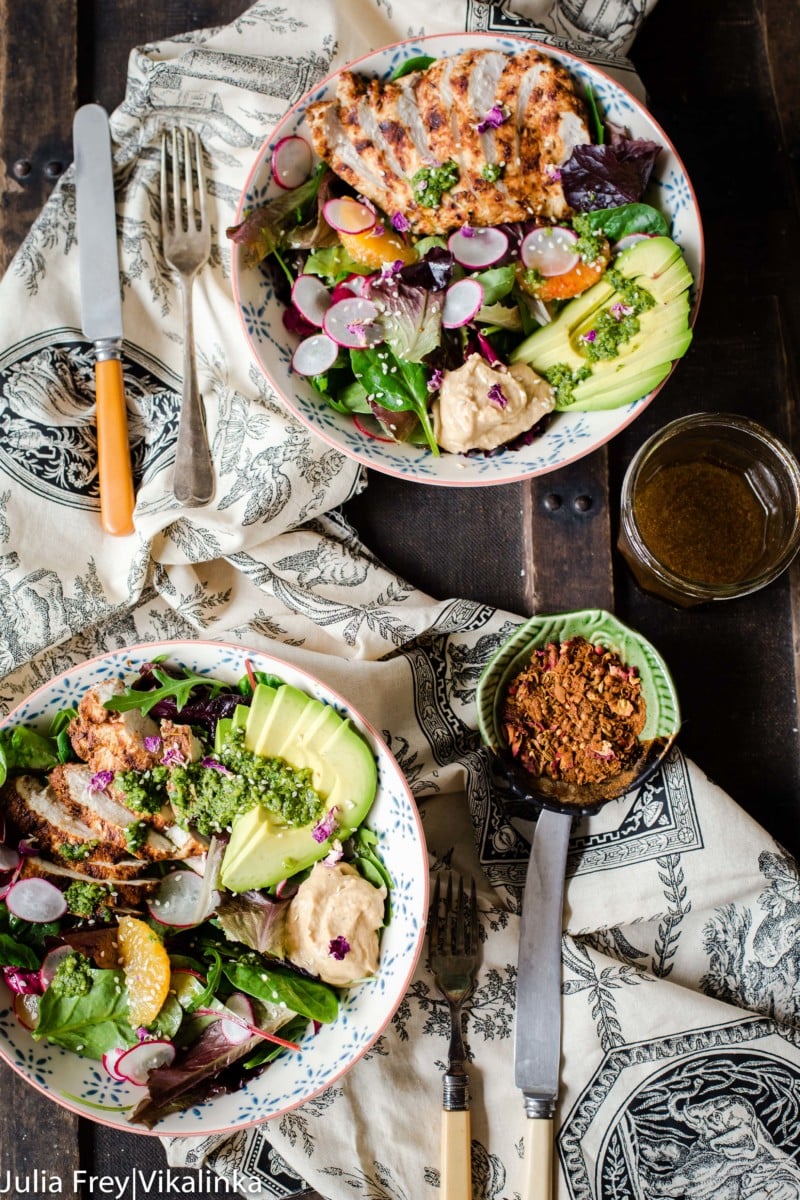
(723, 81)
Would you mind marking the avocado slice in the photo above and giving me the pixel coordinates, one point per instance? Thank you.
(286, 723)
(594, 394)
(226, 725)
(655, 264)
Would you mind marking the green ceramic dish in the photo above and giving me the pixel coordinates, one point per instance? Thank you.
(662, 710)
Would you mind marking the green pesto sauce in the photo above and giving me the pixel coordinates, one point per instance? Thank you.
(591, 243)
(430, 183)
(145, 791)
(613, 328)
(564, 380)
(208, 799)
(87, 899)
(493, 171)
(136, 835)
(77, 852)
(73, 976)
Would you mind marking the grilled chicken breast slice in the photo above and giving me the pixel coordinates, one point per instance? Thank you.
(377, 136)
(115, 741)
(109, 820)
(127, 889)
(37, 813)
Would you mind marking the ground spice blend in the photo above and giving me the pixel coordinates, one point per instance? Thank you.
(575, 713)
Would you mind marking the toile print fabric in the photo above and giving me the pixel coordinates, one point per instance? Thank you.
(681, 1004)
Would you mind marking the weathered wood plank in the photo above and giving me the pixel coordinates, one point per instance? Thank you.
(37, 87)
(567, 538)
(37, 93)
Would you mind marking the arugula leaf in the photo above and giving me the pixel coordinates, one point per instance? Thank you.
(396, 385)
(308, 997)
(90, 1024)
(178, 689)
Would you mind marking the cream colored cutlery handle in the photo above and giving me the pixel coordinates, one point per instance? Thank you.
(456, 1174)
(538, 1182)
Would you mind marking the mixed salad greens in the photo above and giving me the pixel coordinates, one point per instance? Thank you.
(179, 971)
(385, 318)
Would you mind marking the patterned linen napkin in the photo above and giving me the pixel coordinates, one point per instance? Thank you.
(681, 1061)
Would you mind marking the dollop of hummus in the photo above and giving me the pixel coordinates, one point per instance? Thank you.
(480, 407)
(332, 924)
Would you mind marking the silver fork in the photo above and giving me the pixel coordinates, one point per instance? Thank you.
(186, 241)
(453, 946)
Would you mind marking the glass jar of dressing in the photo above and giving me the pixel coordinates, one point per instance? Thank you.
(710, 509)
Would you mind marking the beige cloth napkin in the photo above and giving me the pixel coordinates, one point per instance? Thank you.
(681, 1004)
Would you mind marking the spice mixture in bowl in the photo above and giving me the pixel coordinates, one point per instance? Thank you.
(578, 708)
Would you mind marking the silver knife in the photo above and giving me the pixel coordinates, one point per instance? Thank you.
(101, 311)
(537, 1029)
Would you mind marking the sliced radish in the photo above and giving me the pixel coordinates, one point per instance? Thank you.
(358, 284)
(629, 240)
(50, 963)
(348, 216)
(135, 1064)
(311, 298)
(291, 162)
(110, 1060)
(26, 1009)
(9, 858)
(36, 900)
(176, 901)
(351, 323)
(461, 302)
(236, 1031)
(315, 355)
(550, 250)
(479, 247)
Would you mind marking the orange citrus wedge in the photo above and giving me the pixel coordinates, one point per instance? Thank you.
(147, 970)
(377, 246)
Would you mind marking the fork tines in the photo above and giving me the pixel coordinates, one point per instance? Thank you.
(455, 929)
(184, 165)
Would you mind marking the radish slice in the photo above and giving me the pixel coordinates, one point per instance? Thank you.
(291, 162)
(311, 298)
(348, 216)
(9, 858)
(110, 1060)
(176, 901)
(629, 240)
(50, 963)
(360, 422)
(550, 250)
(478, 248)
(26, 1009)
(461, 302)
(36, 900)
(135, 1064)
(238, 1031)
(315, 355)
(350, 323)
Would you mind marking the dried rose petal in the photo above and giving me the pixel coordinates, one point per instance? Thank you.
(339, 948)
(497, 395)
(215, 766)
(495, 117)
(326, 826)
(400, 222)
(152, 743)
(100, 781)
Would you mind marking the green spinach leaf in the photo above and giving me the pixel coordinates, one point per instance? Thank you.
(308, 997)
(90, 1024)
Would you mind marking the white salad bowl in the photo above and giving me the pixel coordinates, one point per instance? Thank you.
(83, 1085)
(569, 436)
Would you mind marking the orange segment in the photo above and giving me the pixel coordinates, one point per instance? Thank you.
(147, 971)
(572, 283)
(377, 246)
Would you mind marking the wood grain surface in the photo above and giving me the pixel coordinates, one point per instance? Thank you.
(723, 82)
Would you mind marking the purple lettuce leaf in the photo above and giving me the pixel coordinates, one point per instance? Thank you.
(609, 175)
(254, 919)
(411, 302)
